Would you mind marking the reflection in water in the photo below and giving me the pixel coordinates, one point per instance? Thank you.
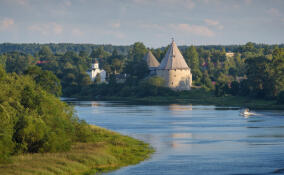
(181, 135)
(95, 104)
(195, 139)
(177, 107)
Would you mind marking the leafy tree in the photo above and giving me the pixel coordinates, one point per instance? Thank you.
(235, 88)
(277, 71)
(258, 76)
(193, 62)
(45, 53)
(18, 62)
(137, 52)
(99, 53)
(46, 79)
(206, 80)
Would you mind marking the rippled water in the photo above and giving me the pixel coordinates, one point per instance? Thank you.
(195, 139)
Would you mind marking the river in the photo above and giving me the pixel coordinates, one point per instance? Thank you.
(195, 139)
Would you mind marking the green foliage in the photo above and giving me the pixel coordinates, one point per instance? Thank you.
(18, 62)
(99, 53)
(257, 68)
(137, 71)
(192, 60)
(45, 52)
(206, 81)
(137, 52)
(277, 71)
(257, 72)
(46, 79)
(155, 81)
(33, 120)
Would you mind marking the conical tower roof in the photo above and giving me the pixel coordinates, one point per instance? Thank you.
(151, 60)
(173, 59)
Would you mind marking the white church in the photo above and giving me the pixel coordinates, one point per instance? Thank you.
(96, 71)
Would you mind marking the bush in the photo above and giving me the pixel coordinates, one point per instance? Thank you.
(32, 120)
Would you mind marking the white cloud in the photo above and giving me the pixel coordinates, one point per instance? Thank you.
(19, 2)
(46, 29)
(214, 23)
(6, 23)
(77, 32)
(115, 25)
(248, 2)
(193, 29)
(67, 3)
(151, 26)
(184, 3)
(211, 22)
(273, 12)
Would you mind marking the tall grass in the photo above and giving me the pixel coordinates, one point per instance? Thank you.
(110, 151)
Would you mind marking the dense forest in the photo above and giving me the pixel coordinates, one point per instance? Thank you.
(253, 70)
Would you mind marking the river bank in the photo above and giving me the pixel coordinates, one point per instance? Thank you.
(109, 152)
(194, 97)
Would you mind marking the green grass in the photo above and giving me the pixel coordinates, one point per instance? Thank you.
(109, 152)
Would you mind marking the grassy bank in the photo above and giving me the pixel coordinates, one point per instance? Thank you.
(196, 97)
(109, 152)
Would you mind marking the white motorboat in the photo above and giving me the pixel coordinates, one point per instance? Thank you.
(247, 113)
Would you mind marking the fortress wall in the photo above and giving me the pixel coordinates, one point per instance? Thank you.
(178, 79)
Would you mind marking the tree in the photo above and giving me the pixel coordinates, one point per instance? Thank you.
(135, 66)
(18, 62)
(257, 71)
(46, 79)
(99, 53)
(156, 81)
(277, 71)
(137, 52)
(235, 87)
(136, 70)
(222, 85)
(193, 61)
(45, 53)
(206, 80)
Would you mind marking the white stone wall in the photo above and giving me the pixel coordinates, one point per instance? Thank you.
(94, 72)
(177, 79)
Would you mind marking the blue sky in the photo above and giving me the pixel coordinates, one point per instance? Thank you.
(153, 22)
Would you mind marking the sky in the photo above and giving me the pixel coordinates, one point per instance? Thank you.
(153, 22)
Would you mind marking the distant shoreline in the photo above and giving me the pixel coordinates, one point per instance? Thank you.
(225, 101)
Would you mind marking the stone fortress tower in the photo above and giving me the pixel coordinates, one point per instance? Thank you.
(174, 70)
(152, 62)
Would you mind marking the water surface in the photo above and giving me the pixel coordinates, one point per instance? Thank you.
(195, 139)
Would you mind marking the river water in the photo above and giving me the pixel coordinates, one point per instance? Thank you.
(195, 139)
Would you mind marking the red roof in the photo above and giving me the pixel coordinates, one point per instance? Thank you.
(41, 62)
